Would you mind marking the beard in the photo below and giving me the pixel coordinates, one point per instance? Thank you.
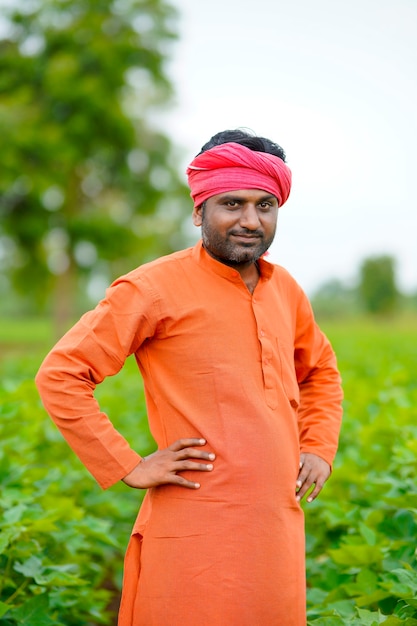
(232, 252)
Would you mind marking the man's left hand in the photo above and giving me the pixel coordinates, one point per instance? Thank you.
(313, 471)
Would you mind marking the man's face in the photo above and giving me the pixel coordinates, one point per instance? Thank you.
(237, 227)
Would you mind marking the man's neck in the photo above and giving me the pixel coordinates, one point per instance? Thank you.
(250, 276)
(248, 270)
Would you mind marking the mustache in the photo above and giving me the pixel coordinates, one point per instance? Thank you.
(246, 233)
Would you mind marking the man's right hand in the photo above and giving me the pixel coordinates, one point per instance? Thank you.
(162, 467)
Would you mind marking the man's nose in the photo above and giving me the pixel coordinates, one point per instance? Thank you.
(249, 217)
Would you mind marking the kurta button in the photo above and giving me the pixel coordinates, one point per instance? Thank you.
(262, 333)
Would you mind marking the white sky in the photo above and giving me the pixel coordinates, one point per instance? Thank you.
(335, 83)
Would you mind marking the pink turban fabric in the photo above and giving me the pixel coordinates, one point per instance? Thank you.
(231, 166)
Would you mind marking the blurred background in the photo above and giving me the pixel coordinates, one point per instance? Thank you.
(103, 104)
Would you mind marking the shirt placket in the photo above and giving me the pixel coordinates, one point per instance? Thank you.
(267, 356)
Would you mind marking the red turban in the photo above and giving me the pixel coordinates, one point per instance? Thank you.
(231, 166)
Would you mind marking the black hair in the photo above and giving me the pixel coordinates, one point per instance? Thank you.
(251, 141)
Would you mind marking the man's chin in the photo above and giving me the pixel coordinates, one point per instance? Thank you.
(250, 253)
(237, 255)
(245, 257)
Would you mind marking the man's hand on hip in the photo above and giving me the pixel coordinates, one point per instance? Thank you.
(162, 467)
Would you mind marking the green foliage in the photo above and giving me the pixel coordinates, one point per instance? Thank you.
(62, 538)
(378, 288)
(86, 181)
(361, 565)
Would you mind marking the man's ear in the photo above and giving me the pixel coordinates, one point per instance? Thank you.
(198, 215)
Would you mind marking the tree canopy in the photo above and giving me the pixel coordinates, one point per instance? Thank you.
(88, 187)
(378, 286)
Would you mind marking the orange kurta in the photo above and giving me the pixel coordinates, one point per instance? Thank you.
(255, 377)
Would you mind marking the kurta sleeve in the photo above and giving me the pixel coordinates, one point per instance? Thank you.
(96, 347)
(320, 410)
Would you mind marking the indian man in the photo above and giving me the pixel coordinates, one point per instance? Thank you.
(243, 397)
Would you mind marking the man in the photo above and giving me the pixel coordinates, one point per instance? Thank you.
(243, 399)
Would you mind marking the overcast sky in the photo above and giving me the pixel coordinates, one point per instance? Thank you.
(335, 83)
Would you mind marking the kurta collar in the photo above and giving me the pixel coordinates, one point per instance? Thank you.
(202, 257)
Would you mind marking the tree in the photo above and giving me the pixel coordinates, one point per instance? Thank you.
(378, 289)
(86, 181)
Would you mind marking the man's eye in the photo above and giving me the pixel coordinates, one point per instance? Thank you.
(265, 205)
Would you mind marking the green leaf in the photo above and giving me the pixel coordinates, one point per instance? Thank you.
(408, 578)
(4, 608)
(34, 612)
(31, 568)
(368, 534)
(367, 581)
(327, 621)
(14, 515)
(370, 618)
(392, 620)
(7, 536)
(357, 555)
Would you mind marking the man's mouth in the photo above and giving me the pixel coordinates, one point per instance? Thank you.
(246, 236)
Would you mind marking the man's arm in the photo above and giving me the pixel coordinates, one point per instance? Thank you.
(320, 410)
(66, 381)
(97, 347)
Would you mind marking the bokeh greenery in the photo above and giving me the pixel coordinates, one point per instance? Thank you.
(374, 291)
(62, 539)
(361, 549)
(89, 186)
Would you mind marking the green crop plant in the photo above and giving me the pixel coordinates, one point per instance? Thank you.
(62, 538)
